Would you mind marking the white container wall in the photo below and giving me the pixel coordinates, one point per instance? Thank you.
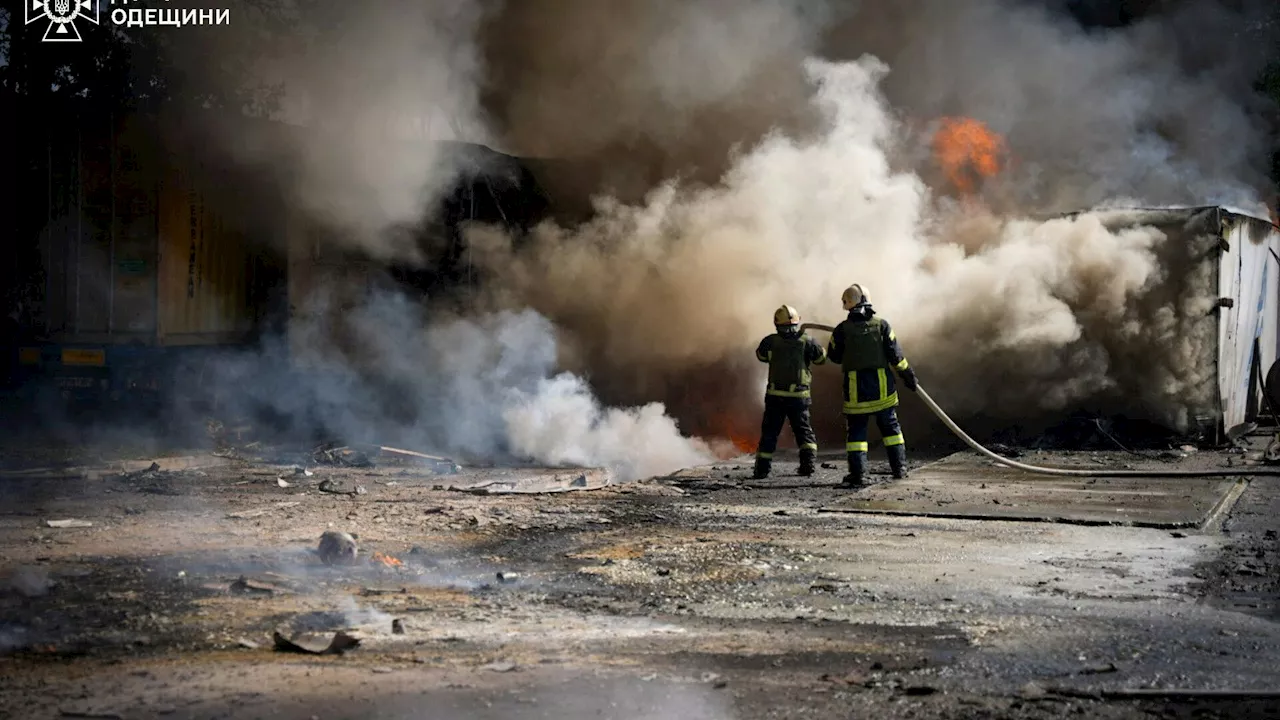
(1247, 274)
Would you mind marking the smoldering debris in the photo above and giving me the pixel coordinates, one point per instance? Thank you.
(245, 586)
(330, 454)
(313, 643)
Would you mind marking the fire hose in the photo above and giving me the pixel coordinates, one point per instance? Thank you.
(1062, 472)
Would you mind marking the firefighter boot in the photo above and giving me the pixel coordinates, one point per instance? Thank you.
(897, 460)
(763, 466)
(857, 469)
(806, 462)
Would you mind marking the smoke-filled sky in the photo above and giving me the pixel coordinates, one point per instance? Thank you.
(750, 153)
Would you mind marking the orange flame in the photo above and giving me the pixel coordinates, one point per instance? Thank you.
(736, 436)
(968, 152)
(386, 560)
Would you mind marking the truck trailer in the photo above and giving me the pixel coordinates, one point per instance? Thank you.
(146, 269)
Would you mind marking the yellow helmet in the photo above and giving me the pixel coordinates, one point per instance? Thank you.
(786, 315)
(855, 294)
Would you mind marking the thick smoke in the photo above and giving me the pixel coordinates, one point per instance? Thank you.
(736, 171)
(483, 388)
(636, 92)
(1004, 314)
(369, 89)
(1162, 112)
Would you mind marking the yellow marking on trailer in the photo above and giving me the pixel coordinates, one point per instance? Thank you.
(77, 356)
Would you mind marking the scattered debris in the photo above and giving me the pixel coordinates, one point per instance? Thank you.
(507, 577)
(281, 482)
(259, 512)
(340, 487)
(853, 678)
(341, 456)
(1005, 450)
(540, 484)
(71, 523)
(920, 690)
(1271, 455)
(441, 465)
(1032, 691)
(247, 644)
(311, 644)
(244, 586)
(338, 548)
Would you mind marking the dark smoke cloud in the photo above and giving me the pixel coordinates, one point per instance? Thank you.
(1159, 112)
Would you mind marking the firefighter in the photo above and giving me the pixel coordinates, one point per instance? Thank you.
(786, 397)
(868, 352)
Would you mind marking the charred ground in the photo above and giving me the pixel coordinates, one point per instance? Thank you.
(698, 595)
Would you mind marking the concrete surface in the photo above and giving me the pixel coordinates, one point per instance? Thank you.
(696, 596)
(966, 485)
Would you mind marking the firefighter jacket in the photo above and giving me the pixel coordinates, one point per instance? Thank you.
(867, 349)
(789, 357)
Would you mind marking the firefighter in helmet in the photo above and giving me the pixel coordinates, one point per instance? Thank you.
(786, 397)
(868, 352)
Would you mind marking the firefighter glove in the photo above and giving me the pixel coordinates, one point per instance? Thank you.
(909, 379)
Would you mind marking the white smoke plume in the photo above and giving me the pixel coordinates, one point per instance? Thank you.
(1009, 316)
(483, 388)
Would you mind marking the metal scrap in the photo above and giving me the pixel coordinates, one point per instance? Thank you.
(341, 456)
(311, 644)
(1271, 455)
(71, 523)
(339, 487)
(245, 586)
(565, 481)
(441, 465)
(248, 514)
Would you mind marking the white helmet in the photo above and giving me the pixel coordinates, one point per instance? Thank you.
(855, 295)
(786, 315)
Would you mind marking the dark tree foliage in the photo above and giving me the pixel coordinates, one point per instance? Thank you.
(47, 88)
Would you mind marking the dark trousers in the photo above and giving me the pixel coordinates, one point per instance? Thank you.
(779, 410)
(856, 429)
